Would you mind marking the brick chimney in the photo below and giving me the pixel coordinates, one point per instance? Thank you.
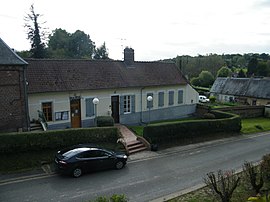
(129, 56)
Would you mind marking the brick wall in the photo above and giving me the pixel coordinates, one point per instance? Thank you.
(13, 116)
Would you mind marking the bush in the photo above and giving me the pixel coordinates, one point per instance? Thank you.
(36, 141)
(103, 121)
(169, 132)
(209, 116)
(212, 99)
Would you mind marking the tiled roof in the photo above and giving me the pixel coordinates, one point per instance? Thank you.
(8, 56)
(248, 87)
(67, 75)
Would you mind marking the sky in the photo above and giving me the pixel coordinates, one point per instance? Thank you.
(155, 29)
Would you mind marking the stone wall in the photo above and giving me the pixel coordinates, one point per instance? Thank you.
(243, 111)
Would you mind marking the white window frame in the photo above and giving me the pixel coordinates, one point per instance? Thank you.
(127, 104)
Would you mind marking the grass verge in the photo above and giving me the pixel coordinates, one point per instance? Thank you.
(255, 125)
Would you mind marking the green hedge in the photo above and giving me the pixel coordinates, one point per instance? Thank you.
(105, 121)
(35, 141)
(168, 132)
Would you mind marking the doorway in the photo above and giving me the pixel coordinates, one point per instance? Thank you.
(115, 108)
(75, 112)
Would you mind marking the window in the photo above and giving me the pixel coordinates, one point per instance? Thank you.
(47, 110)
(127, 104)
(180, 96)
(89, 107)
(161, 99)
(61, 115)
(171, 97)
(149, 103)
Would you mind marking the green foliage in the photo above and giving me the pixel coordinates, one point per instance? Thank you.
(205, 79)
(212, 99)
(252, 65)
(242, 74)
(103, 121)
(36, 141)
(101, 52)
(168, 132)
(113, 198)
(209, 116)
(224, 72)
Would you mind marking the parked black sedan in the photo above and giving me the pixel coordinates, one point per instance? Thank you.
(81, 159)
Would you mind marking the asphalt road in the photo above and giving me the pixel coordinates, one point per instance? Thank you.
(143, 180)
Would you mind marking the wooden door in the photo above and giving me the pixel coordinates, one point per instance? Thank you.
(115, 108)
(75, 110)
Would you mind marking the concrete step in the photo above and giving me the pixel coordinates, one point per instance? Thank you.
(35, 127)
(135, 146)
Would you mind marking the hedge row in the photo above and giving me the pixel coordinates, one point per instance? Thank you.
(36, 141)
(167, 132)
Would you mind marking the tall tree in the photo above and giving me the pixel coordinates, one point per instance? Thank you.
(35, 33)
(58, 44)
(81, 46)
(101, 52)
(252, 65)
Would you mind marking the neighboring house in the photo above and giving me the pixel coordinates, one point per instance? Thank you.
(65, 89)
(251, 91)
(13, 99)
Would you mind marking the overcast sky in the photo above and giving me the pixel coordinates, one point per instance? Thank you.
(155, 29)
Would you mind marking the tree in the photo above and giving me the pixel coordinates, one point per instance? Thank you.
(224, 72)
(81, 45)
(241, 74)
(101, 52)
(35, 34)
(58, 45)
(206, 78)
(222, 184)
(262, 69)
(252, 65)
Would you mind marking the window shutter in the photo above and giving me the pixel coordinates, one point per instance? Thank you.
(132, 103)
(161, 99)
(121, 104)
(89, 107)
(171, 97)
(180, 96)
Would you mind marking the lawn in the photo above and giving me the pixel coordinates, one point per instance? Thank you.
(254, 125)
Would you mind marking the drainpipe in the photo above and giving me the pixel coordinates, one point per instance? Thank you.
(141, 120)
(26, 98)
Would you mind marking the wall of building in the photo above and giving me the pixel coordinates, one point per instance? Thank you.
(61, 102)
(13, 116)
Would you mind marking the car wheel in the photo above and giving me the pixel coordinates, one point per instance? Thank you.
(119, 165)
(77, 172)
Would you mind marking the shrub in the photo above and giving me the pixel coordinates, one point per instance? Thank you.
(168, 132)
(36, 141)
(103, 121)
(209, 116)
(212, 99)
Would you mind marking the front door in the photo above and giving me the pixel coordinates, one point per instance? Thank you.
(115, 108)
(75, 110)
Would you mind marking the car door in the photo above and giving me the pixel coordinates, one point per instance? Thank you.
(88, 161)
(105, 160)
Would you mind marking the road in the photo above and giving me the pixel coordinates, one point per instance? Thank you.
(143, 180)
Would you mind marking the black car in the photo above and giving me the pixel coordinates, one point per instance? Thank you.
(81, 159)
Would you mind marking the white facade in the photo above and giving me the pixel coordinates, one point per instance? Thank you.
(169, 109)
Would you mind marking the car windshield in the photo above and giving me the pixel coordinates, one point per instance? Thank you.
(73, 152)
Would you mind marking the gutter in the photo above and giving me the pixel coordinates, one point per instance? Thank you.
(141, 119)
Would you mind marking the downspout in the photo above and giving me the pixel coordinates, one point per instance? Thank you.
(141, 119)
(26, 98)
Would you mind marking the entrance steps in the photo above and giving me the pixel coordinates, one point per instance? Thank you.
(135, 146)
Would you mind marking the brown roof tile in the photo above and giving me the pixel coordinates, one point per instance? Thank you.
(47, 75)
